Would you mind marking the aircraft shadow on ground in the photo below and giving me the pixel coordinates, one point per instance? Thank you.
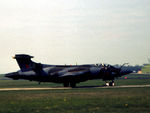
(90, 86)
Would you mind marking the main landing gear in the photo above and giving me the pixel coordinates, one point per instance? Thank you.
(110, 83)
(71, 84)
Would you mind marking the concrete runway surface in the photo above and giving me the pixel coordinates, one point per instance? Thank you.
(52, 88)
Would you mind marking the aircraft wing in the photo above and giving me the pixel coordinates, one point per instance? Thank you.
(76, 73)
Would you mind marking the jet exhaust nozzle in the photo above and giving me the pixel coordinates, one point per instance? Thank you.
(13, 75)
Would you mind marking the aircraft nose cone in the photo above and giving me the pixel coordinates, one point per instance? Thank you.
(125, 72)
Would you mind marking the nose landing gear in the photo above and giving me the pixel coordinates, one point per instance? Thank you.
(110, 83)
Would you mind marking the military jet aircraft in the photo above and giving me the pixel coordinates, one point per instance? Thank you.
(69, 75)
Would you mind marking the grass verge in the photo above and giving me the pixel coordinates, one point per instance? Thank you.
(76, 100)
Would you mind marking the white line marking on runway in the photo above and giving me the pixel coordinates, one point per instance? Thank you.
(55, 88)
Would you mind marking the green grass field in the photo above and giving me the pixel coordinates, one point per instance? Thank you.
(77, 100)
(121, 100)
(146, 69)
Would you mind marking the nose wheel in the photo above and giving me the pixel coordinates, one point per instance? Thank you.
(110, 83)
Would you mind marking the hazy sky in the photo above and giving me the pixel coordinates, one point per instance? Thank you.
(70, 31)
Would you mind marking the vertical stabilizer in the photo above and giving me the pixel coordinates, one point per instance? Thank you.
(24, 61)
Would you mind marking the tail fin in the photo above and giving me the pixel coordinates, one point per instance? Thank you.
(24, 61)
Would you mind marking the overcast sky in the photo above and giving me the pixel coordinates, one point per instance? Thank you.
(70, 31)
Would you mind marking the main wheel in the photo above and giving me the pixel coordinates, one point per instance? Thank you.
(72, 84)
(66, 84)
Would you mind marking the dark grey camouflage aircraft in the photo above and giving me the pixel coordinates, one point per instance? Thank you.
(66, 74)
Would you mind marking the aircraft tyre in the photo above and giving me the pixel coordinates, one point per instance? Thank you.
(111, 84)
(107, 84)
(66, 84)
(72, 84)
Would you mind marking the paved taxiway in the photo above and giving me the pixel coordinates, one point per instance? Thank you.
(51, 88)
